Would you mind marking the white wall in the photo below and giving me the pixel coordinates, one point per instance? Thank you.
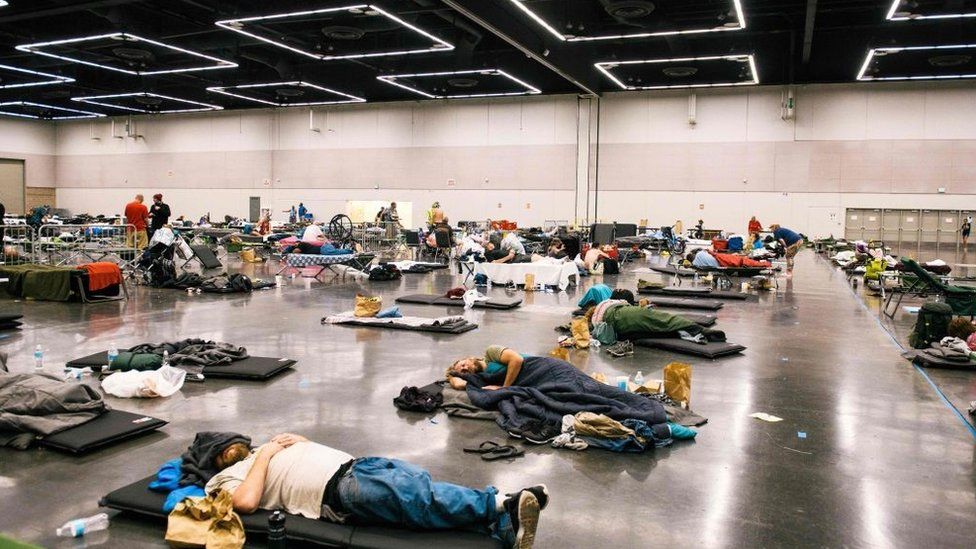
(511, 158)
(34, 143)
(849, 146)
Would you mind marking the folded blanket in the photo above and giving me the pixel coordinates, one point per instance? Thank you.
(102, 274)
(34, 405)
(43, 282)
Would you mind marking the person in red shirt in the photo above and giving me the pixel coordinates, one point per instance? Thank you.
(137, 215)
(755, 227)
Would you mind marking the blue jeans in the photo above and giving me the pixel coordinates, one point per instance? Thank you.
(396, 493)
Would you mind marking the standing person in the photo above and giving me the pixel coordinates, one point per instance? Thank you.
(292, 215)
(967, 226)
(435, 216)
(137, 215)
(791, 240)
(302, 211)
(159, 212)
(3, 221)
(755, 227)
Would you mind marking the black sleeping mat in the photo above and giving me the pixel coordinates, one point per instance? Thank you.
(111, 427)
(138, 499)
(672, 270)
(492, 303)
(252, 367)
(451, 329)
(707, 293)
(10, 317)
(679, 303)
(708, 350)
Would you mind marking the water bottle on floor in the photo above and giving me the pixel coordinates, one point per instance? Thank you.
(165, 359)
(80, 527)
(639, 378)
(113, 353)
(38, 358)
(276, 531)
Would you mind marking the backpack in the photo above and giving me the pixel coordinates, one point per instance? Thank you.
(610, 266)
(385, 271)
(932, 324)
(241, 283)
(160, 273)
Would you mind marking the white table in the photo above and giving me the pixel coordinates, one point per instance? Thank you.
(545, 273)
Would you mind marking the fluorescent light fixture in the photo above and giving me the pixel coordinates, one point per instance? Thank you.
(3, 3)
(298, 84)
(48, 78)
(71, 113)
(607, 67)
(895, 15)
(239, 25)
(879, 52)
(529, 89)
(736, 5)
(103, 100)
(214, 62)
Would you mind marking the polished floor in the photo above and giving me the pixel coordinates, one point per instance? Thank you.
(867, 454)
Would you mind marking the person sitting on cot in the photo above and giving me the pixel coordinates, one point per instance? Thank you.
(298, 476)
(497, 359)
(556, 248)
(593, 256)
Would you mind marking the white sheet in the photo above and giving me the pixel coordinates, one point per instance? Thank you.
(545, 273)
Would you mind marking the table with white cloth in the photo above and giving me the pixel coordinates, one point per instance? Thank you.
(550, 274)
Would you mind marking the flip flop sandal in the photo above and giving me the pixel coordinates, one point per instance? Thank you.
(484, 447)
(502, 452)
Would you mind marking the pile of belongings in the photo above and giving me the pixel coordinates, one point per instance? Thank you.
(222, 284)
(947, 352)
(937, 266)
(38, 405)
(191, 355)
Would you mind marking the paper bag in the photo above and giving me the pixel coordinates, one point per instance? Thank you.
(367, 306)
(677, 382)
(206, 522)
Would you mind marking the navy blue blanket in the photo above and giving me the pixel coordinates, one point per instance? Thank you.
(548, 388)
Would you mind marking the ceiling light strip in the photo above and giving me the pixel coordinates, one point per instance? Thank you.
(606, 66)
(862, 74)
(100, 101)
(56, 79)
(736, 6)
(77, 113)
(234, 25)
(529, 89)
(35, 49)
(893, 11)
(299, 83)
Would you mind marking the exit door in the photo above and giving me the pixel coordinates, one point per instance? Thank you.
(12, 185)
(254, 213)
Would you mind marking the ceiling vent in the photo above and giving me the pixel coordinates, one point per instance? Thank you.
(132, 54)
(680, 72)
(463, 82)
(629, 9)
(339, 32)
(289, 92)
(953, 60)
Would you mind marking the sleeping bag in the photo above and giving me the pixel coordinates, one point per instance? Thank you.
(732, 260)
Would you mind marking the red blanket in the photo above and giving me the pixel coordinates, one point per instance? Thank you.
(101, 275)
(732, 260)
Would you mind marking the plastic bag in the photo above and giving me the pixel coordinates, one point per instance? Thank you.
(163, 382)
(677, 382)
(367, 306)
(163, 235)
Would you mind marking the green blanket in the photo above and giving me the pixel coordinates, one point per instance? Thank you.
(630, 320)
(137, 361)
(38, 281)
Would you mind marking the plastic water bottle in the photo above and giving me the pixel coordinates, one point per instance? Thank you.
(276, 531)
(80, 527)
(38, 357)
(489, 284)
(113, 353)
(639, 379)
(165, 359)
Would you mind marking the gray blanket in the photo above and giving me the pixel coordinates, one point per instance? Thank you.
(33, 405)
(457, 404)
(193, 354)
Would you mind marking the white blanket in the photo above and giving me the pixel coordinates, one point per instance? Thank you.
(550, 274)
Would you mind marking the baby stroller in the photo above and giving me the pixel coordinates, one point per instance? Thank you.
(156, 264)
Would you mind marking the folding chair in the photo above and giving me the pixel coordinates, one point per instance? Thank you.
(444, 238)
(411, 239)
(961, 299)
(198, 252)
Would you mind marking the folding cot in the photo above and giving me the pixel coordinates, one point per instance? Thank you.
(53, 283)
(706, 293)
(323, 262)
(961, 299)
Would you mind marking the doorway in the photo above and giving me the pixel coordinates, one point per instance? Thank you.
(254, 213)
(12, 185)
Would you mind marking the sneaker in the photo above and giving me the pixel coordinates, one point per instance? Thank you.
(540, 492)
(523, 509)
(544, 433)
(621, 348)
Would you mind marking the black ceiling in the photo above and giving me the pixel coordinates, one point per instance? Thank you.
(176, 49)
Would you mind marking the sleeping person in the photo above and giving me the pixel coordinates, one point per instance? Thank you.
(497, 359)
(302, 477)
(314, 242)
(704, 259)
(630, 321)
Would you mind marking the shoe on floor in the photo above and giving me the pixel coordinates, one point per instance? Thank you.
(542, 433)
(523, 510)
(541, 493)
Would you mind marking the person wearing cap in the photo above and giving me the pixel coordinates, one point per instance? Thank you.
(158, 214)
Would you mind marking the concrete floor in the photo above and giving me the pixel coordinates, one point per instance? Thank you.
(884, 462)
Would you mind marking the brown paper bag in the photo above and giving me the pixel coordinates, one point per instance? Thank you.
(677, 382)
(206, 522)
(580, 328)
(367, 306)
(561, 353)
(529, 282)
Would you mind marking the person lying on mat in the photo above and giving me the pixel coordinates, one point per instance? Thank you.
(496, 254)
(701, 259)
(497, 359)
(631, 321)
(302, 477)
